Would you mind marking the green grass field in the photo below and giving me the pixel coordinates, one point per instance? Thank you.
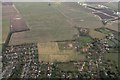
(67, 67)
(111, 43)
(112, 57)
(85, 39)
(55, 22)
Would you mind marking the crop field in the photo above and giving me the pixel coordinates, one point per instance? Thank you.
(55, 22)
(50, 52)
(107, 31)
(113, 26)
(79, 15)
(104, 30)
(45, 24)
(49, 46)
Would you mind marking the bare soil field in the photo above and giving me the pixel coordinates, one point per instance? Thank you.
(18, 25)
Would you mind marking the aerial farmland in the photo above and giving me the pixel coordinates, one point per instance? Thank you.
(49, 23)
(60, 40)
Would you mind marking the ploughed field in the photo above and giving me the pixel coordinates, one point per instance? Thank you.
(103, 16)
(111, 5)
(18, 25)
(11, 21)
(108, 11)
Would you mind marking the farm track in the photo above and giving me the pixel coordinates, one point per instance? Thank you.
(17, 24)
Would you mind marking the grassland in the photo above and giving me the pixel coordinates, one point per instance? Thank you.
(0, 36)
(55, 22)
(45, 23)
(104, 30)
(67, 67)
(0, 49)
(96, 34)
(85, 39)
(112, 57)
(5, 29)
(79, 15)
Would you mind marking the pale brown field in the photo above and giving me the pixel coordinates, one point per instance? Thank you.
(50, 52)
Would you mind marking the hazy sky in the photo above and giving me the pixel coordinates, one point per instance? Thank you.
(59, 0)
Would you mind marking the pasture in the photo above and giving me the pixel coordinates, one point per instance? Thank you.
(112, 56)
(85, 39)
(55, 22)
(96, 34)
(113, 26)
(67, 67)
(5, 29)
(0, 48)
(79, 16)
(0, 32)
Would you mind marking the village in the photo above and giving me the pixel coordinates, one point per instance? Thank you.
(24, 62)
